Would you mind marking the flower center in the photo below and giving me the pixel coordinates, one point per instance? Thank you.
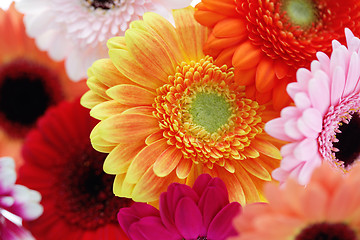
(327, 231)
(26, 91)
(348, 144)
(338, 140)
(86, 193)
(210, 111)
(205, 114)
(103, 4)
(300, 12)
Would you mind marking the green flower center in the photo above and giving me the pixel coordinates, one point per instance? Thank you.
(210, 110)
(300, 12)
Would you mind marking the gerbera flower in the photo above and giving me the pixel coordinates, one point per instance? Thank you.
(201, 212)
(62, 165)
(30, 82)
(169, 114)
(15, 200)
(267, 41)
(324, 123)
(77, 31)
(328, 208)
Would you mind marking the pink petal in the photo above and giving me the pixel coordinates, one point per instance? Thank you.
(275, 128)
(353, 74)
(306, 149)
(303, 76)
(292, 131)
(290, 162)
(211, 202)
(324, 61)
(315, 66)
(312, 117)
(319, 92)
(305, 129)
(349, 37)
(290, 112)
(308, 168)
(151, 228)
(188, 218)
(337, 85)
(201, 183)
(222, 225)
(302, 100)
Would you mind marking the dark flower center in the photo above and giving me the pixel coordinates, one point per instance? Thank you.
(327, 231)
(348, 144)
(104, 4)
(27, 89)
(87, 199)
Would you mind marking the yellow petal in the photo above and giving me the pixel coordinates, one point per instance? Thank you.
(90, 99)
(140, 74)
(256, 169)
(107, 109)
(131, 95)
(192, 35)
(145, 160)
(122, 188)
(184, 167)
(127, 128)
(248, 186)
(167, 161)
(119, 159)
(266, 148)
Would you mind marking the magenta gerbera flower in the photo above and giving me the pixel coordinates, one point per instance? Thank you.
(201, 212)
(324, 124)
(17, 201)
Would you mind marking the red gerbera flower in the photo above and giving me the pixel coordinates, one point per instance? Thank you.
(61, 164)
(267, 41)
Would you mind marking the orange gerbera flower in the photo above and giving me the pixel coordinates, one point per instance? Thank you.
(29, 83)
(327, 208)
(169, 114)
(267, 41)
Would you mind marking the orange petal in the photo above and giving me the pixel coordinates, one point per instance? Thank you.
(167, 161)
(97, 87)
(107, 109)
(246, 56)
(248, 186)
(127, 128)
(227, 7)
(251, 152)
(119, 159)
(263, 97)
(143, 110)
(256, 169)
(245, 77)
(206, 17)
(281, 69)
(280, 97)
(184, 167)
(220, 43)
(99, 143)
(265, 76)
(225, 57)
(230, 27)
(144, 160)
(233, 185)
(131, 95)
(154, 137)
(266, 148)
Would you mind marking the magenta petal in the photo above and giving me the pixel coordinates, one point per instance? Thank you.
(151, 228)
(201, 183)
(221, 227)
(212, 201)
(11, 231)
(128, 216)
(188, 218)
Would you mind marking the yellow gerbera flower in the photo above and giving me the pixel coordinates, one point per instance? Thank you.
(169, 114)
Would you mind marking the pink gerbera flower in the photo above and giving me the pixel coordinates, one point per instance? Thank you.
(201, 212)
(324, 124)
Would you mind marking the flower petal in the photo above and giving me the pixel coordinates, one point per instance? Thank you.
(131, 95)
(188, 218)
(167, 161)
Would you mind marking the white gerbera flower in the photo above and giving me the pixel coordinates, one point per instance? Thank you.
(77, 30)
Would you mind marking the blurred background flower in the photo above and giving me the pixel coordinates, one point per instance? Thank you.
(16, 200)
(30, 82)
(201, 212)
(61, 164)
(328, 208)
(77, 30)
